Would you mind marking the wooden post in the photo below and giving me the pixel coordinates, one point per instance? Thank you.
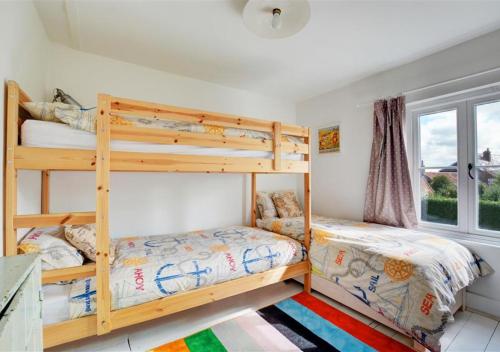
(254, 200)
(307, 211)
(277, 145)
(10, 206)
(45, 191)
(103, 155)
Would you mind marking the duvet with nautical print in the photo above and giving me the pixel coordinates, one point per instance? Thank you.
(148, 268)
(410, 277)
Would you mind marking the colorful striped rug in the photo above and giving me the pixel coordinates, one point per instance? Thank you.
(300, 323)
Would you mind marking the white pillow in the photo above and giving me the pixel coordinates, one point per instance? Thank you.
(55, 252)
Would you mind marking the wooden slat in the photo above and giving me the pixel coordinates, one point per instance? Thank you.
(277, 146)
(10, 207)
(130, 161)
(294, 130)
(161, 111)
(54, 219)
(186, 300)
(76, 159)
(164, 136)
(297, 148)
(45, 205)
(103, 294)
(69, 330)
(307, 214)
(77, 272)
(54, 159)
(254, 200)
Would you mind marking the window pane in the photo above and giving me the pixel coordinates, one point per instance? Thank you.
(438, 139)
(488, 133)
(438, 194)
(488, 181)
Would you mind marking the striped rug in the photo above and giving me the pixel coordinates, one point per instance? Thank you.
(299, 323)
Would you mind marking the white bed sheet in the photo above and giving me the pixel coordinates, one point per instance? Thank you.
(35, 133)
(55, 306)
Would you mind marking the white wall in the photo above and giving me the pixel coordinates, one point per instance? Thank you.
(23, 57)
(339, 180)
(152, 203)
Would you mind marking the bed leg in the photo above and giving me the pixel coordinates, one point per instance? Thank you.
(307, 283)
(45, 191)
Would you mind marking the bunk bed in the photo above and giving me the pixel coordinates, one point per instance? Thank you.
(105, 159)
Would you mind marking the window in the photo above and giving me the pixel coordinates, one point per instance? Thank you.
(456, 163)
(486, 189)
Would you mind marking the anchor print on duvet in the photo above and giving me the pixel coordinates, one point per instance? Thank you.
(410, 277)
(148, 268)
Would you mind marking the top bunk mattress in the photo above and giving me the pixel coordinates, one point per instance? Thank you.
(44, 134)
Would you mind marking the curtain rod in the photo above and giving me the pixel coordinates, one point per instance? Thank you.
(434, 85)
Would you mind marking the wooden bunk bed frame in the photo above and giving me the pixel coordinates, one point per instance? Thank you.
(103, 161)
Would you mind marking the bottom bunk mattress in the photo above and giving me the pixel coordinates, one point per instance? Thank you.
(410, 277)
(148, 268)
(55, 304)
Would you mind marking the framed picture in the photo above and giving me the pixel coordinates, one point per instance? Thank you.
(329, 138)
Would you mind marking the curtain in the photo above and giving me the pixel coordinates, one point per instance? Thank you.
(389, 196)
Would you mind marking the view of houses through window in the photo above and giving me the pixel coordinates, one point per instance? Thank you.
(460, 172)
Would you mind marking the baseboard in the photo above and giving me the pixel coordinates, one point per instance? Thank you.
(483, 305)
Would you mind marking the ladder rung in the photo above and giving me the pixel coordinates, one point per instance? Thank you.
(77, 272)
(44, 220)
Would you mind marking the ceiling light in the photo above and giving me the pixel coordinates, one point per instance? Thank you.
(276, 18)
(276, 22)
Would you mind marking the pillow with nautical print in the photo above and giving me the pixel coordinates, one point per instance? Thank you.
(83, 237)
(75, 117)
(44, 111)
(265, 205)
(54, 251)
(286, 204)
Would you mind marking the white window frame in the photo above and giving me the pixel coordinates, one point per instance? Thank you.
(472, 153)
(467, 194)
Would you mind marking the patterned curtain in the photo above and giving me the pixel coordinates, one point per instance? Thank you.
(389, 197)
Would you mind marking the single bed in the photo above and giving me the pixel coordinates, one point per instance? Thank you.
(152, 267)
(411, 279)
(45, 134)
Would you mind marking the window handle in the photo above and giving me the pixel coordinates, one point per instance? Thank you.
(470, 167)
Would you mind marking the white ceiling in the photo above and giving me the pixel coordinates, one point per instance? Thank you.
(343, 42)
